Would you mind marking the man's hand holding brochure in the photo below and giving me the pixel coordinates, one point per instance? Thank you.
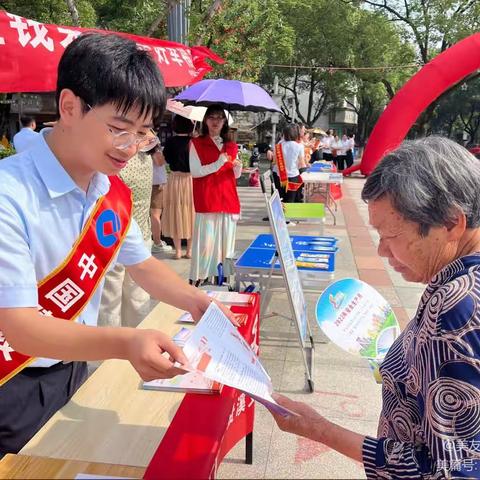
(216, 349)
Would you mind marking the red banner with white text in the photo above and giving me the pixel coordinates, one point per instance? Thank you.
(30, 52)
(206, 427)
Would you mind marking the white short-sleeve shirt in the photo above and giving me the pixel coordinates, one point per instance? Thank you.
(42, 212)
(292, 151)
(24, 138)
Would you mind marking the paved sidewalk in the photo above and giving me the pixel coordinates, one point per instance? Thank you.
(346, 392)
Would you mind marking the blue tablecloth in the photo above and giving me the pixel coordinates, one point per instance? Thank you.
(319, 167)
(261, 252)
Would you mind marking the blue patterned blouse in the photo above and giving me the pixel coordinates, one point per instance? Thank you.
(430, 422)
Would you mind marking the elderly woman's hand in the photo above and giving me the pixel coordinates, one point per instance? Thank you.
(304, 423)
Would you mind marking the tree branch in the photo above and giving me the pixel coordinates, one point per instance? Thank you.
(296, 99)
(155, 25)
(388, 88)
(407, 20)
(352, 105)
(212, 10)
(72, 8)
(321, 108)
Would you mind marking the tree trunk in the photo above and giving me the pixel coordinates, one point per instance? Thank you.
(72, 8)
(155, 24)
(421, 127)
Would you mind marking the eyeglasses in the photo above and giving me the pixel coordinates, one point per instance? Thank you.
(123, 140)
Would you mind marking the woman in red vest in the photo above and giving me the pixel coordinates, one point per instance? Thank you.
(214, 167)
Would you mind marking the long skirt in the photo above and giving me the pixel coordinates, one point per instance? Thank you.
(178, 212)
(213, 241)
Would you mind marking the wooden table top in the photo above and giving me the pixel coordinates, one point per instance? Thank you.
(26, 467)
(111, 419)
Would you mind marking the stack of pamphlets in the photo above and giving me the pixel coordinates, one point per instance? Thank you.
(228, 299)
(191, 382)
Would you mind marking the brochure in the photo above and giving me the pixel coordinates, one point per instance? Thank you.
(217, 350)
(231, 298)
(186, 317)
(228, 299)
(313, 265)
(191, 382)
(358, 319)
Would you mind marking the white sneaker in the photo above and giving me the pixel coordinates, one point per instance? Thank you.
(161, 247)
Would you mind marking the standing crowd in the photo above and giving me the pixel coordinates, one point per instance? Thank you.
(296, 151)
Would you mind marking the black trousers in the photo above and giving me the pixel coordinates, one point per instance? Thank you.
(340, 162)
(349, 158)
(31, 397)
(291, 196)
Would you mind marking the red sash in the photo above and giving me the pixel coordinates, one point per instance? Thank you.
(282, 170)
(65, 291)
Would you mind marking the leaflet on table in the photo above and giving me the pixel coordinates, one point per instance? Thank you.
(231, 298)
(186, 317)
(227, 298)
(311, 260)
(191, 382)
(216, 349)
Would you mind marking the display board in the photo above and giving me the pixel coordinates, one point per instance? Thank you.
(293, 282)
(288, 265)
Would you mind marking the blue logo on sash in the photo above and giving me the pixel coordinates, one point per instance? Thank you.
(108, 224)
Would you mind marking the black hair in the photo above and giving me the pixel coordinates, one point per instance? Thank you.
(182, 125)
(26, 121)
(216, 109)
(291, 132)
(106, 68)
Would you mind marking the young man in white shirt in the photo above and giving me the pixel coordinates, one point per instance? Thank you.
(24, 137)
(64, 220)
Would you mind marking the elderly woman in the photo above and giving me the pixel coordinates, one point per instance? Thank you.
(424, 201)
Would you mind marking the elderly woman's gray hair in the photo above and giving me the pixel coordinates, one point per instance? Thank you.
(428, 181)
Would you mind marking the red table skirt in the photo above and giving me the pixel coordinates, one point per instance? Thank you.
(206, 427)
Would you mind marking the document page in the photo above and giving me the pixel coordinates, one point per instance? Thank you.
(217, 349)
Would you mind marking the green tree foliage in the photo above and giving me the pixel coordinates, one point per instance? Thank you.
(243, 32)
(334, 35)
(377, 42)
(52, 11)
(320, 39)
(134, 16)
(458, 112)
(431, 26)
(142, 17)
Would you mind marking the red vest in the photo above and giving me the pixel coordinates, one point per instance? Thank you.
(217, 192)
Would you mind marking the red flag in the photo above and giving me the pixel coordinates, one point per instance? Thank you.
(30, 52)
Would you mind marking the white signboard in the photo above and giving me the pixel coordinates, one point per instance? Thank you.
(287, 262)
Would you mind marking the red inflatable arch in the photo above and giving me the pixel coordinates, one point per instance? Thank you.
(423, 88)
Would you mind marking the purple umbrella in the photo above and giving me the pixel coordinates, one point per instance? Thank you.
(230, 95)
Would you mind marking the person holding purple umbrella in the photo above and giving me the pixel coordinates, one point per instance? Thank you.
(214, 167)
